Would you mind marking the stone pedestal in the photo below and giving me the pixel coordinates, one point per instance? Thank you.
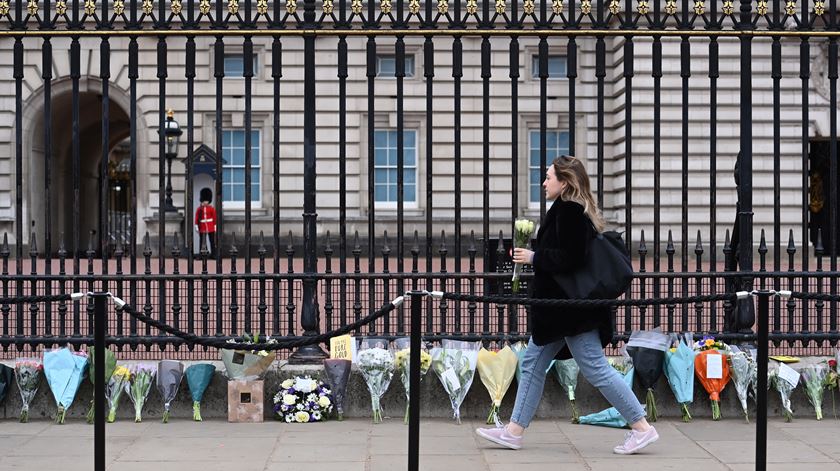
(245, 401)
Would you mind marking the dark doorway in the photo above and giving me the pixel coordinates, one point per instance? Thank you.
(819, 195)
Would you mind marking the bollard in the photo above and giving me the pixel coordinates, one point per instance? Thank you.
(414, 383)
(100, 312)
(761, 400)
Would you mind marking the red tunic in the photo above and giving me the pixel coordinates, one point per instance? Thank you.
(205, 219)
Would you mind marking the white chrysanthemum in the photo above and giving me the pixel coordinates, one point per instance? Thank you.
(287, 384)
(299, 407)
(312, 397)
(290, 418)
(289, 399)
(316, 415)
(305, 385)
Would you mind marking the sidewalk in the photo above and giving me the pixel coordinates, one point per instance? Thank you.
(358, 445)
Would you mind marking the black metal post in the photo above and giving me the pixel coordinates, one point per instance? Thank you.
(100, 321)
(414, 383)
(745, 321)
(761, 400)
(167, 205)
(309, 312)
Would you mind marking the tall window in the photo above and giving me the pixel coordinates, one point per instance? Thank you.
(386, 65)
(233, 170)
(385, 166)
(556, 144)
(556, 66)
(235, 64)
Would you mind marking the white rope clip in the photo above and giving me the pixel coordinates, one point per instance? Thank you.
(77, 296)
(118, 301)
(436, 294)
(784, 294)
(744, 294)
(397, 302)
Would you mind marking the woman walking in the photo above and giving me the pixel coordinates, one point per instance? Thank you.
(563, 240)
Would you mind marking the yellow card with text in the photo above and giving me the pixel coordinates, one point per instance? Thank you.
(343, 347)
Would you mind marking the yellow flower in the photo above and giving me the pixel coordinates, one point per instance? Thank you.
(709, 342)
(287, 384)
(302, 417)
(324, 401)
(289, 399)
(673, 349)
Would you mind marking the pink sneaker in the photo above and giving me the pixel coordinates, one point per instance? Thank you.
(500, 436)
(635, 441)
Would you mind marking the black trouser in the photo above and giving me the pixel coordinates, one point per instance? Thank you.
(210, 238)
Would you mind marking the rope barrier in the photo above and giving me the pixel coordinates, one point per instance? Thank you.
(41, 299)
(589, 303)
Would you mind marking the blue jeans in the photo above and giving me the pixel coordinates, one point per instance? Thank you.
(587, 351)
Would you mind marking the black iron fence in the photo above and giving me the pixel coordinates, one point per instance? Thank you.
(629, 72)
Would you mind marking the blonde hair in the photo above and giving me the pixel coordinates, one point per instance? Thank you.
(571, 170)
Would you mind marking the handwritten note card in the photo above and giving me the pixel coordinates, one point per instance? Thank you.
(714, 366)
(788, 374)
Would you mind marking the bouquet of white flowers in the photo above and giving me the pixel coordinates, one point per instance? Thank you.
(377, 366)
(523, 229)
(454, 363)
(302, 400)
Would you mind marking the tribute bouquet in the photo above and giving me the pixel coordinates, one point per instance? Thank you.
(116, 386)
(712, 369)
(523, 229)
(647, 349)
(198, 378)
(744, 373)
(27, 377)
(567, 375)
(110, 365)
(611, 417)
(65, 371)
(679, 370)
(248, 364)
(402, 357)
(832, 381)
(377, 366)
(302, 400)
(496, 370)
(454, 363)
(6, 374)
(338, 372)
(169, 377)
(519, 348)
(142, 377)
(814, 376)
(784, 379)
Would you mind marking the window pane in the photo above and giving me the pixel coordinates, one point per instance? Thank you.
(409, 139)
(380, 139)
(556, 66)
(380, 176)
(381, 193)
(410, 193)
(386, 66)
(392, 192)
(234, 65)
(535, 193)
(409, 65)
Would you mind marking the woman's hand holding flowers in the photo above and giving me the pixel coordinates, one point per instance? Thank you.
(521, 255)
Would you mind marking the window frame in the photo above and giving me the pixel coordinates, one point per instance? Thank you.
(535, 72)
(255, 204)
(411, 73)
(530, 147)
(407, 204)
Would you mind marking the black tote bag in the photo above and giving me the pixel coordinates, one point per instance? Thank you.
(606, 274)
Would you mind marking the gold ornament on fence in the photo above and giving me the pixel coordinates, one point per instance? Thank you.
(262, 6)
(728, 8)
(790, 8)
(60, 7)
(32, 7)
(328, 7)
(615, 7)
(761, 8)
(291, 6)
(586, 7)
(176, 7)
(385, 6)
(819, 7)
(90, 7)
(204, 7)
(671, 7)
(119, 7)
(147, 7)
(699, 7)
(472, 7)
(414, 7)
(356, 6)
(4, 7)
(557, 6)
(233, 6)
(443, 6)
(500, 7)
(643, 8)
(529, 7)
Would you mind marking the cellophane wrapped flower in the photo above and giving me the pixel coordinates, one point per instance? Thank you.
(785, 389)
(707, 349)
(679, 370)
(567, 375)
(27, 377)
(496, 370)
(118, 384)
(523, 229)
(142, 378)
(832, 381)
(814, 377)
(377, 367)
(110, 366)
(743, 370)
(65, 370)
(402, 358)
(302, 399)
(454, 363)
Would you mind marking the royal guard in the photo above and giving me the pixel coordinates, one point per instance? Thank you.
(205, 220)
